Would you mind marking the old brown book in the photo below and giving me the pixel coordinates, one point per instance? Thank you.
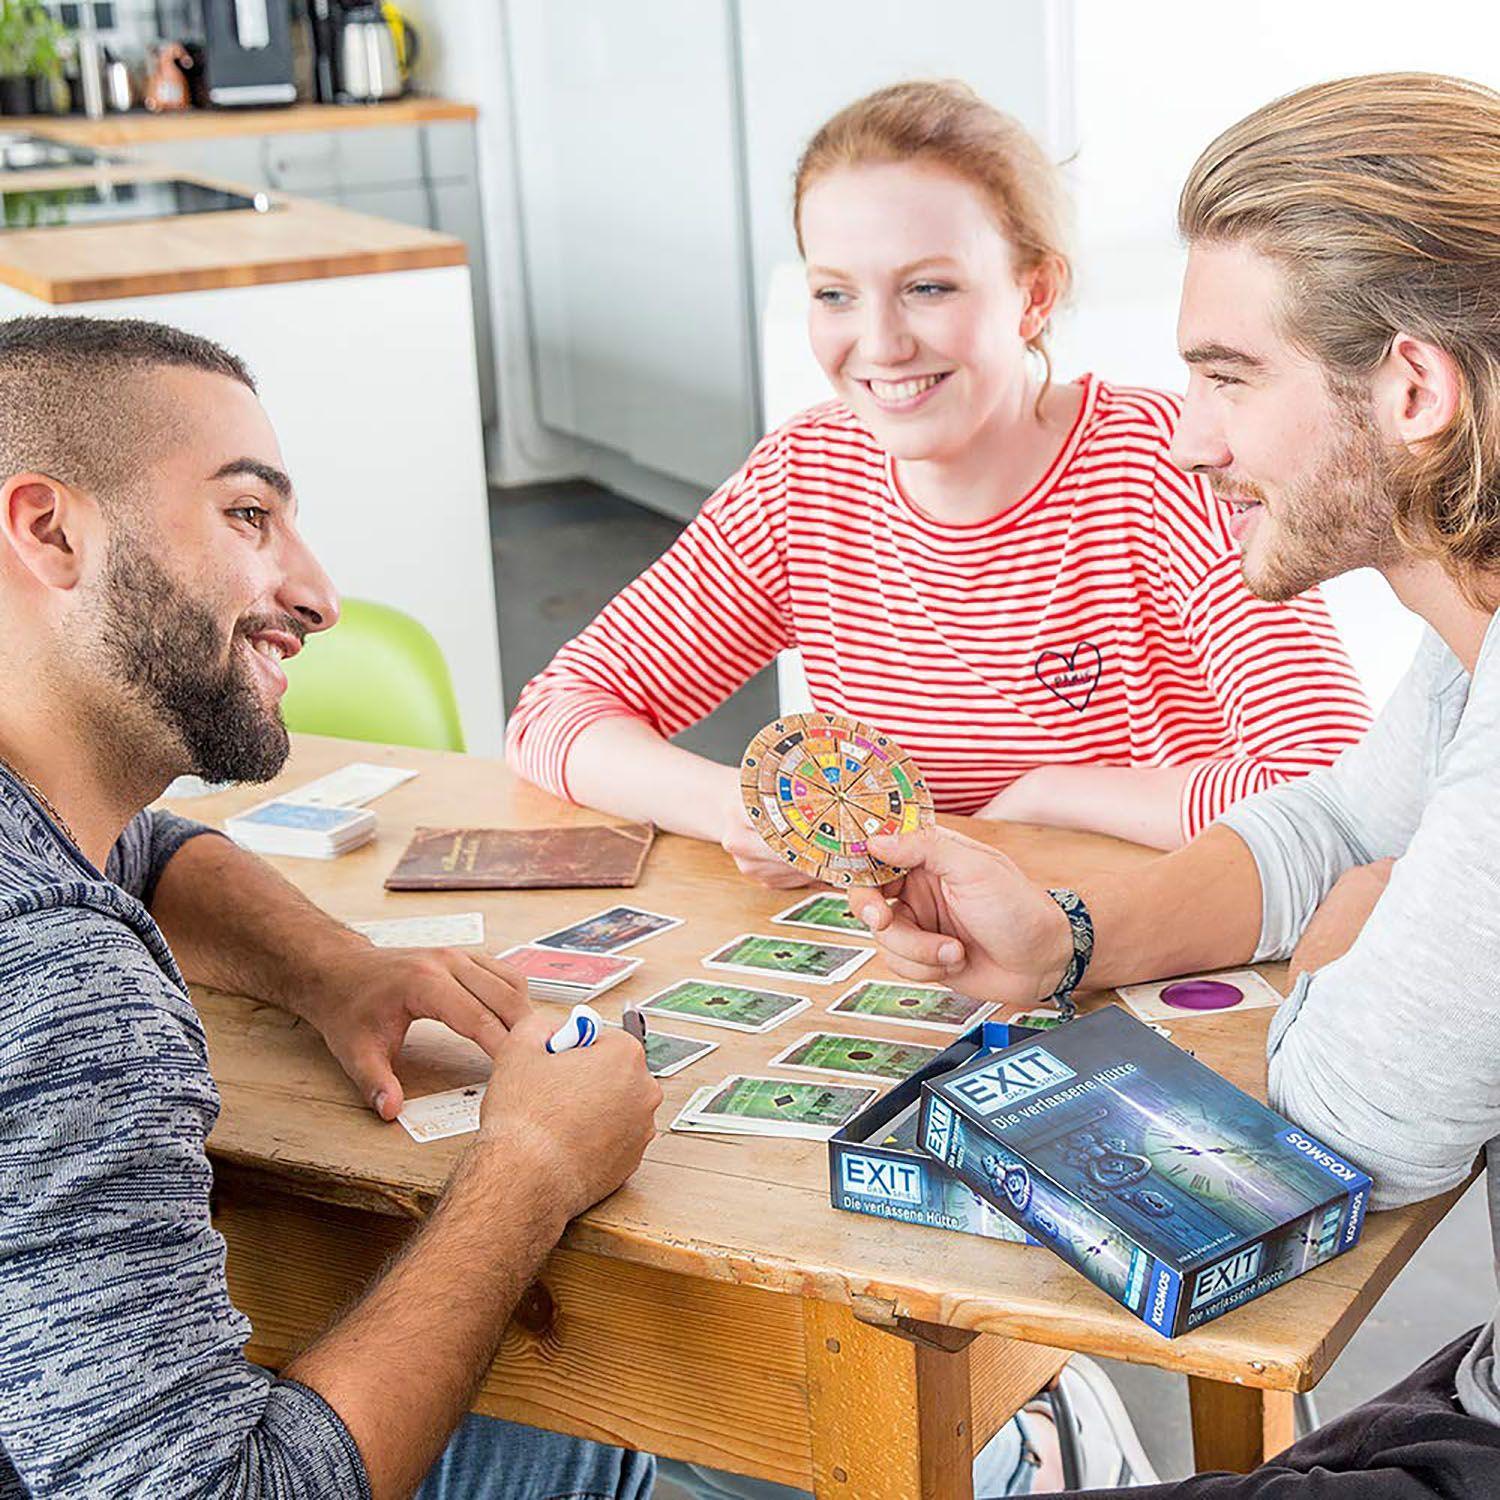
(515, 859)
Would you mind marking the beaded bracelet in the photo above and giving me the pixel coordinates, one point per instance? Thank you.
(1081, 924)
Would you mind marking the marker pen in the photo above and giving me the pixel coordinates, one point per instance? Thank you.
(579, 1030)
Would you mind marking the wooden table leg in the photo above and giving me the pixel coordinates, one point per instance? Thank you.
(894, 1414)
(1237, 1427)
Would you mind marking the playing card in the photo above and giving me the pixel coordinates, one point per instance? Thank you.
(1199, 994)
(744, 1105)
(283, 814)
(455, 930)
(282, 827)
(1044, 1018)
(435, 1116)
(733, 1006)
(667, 1053)
(350, 786)
(817, 963)
(854, 1056)
(828, 913)
(610, 930)
(928, 1005)
(556, 966)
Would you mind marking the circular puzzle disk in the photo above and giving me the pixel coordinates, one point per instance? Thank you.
(818, 786)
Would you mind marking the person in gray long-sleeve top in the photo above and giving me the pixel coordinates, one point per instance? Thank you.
(152, 578)
(1341, 321)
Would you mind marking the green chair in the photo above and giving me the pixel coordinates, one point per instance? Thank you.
(377, 675)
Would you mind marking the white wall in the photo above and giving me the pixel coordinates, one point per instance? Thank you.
(805, 59)
(1153, 86)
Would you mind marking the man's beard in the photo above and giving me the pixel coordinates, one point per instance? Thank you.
(169, 652)
(1339, 517)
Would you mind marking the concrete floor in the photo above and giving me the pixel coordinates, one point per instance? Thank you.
(561, 551)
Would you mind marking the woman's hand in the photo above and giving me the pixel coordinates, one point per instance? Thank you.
(751, 854)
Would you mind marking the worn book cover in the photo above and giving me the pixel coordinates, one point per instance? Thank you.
(514, 859)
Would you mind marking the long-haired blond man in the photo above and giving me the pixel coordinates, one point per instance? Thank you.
(1341, 322)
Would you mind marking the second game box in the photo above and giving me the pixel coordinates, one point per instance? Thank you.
(1175, 1192)
(875, 1166)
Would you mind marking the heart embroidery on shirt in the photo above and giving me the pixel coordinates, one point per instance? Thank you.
(1071, 678)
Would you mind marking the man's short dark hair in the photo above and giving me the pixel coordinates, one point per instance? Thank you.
(77, 402)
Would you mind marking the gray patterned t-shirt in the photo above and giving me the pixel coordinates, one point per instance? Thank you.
(121, 1363)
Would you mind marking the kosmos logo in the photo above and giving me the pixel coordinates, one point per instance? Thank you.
(1159, 1301)
(1319, 1155)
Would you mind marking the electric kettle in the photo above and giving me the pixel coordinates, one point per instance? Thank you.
(370, 62)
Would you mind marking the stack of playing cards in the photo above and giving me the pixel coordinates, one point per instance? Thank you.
(312, 832)
(557, 974)
(741, 1105)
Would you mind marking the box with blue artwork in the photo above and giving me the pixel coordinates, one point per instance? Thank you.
(875, 1166)
(1169, 1188)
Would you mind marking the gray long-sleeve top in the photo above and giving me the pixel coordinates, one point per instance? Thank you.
(1391, 1054)
(121, 1363)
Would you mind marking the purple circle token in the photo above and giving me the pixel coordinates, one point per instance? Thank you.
(1202, 994)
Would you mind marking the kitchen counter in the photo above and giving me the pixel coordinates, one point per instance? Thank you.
(297, 240)
(140, 128)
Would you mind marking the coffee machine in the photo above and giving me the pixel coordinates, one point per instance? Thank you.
(247, 53)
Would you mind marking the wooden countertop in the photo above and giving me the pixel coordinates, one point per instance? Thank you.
(297, 240)
(140, 128)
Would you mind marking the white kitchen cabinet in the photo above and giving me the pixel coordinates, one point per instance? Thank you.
(421, 174)
(632, 225)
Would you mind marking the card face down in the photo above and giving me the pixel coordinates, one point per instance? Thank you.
(513, 859)
(736, 1007)
(854, 1056)
(928, 1005)
(791, 958)
(827, 912)
(460, 929)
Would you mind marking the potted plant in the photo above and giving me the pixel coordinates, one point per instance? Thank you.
(30, 56)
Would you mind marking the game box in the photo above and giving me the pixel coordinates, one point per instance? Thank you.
(1165, 1185)
(876, 1168)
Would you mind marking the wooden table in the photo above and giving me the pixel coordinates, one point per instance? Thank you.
(717, 1308)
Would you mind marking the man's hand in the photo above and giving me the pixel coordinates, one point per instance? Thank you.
(1341, 917)
(750, 853)
(964, 915)
(556, 1134)
(364, 1000)
(586, 1114)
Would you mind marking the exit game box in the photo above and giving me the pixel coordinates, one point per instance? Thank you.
(1169, 1188)
(876, 1167)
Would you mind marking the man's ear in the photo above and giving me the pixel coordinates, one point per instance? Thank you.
(44, 523)
(1417, 390)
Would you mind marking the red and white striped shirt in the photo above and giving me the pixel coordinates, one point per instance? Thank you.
(1101, 620)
